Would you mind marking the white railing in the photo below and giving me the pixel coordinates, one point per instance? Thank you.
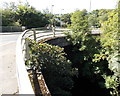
(22, 75)
(24, 83)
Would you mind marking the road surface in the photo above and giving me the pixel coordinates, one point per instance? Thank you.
(8, 79)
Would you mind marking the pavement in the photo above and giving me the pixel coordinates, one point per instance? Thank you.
(8, 77)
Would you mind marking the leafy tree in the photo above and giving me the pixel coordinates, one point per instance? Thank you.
(23, 15)
(103, 14)
(96, 17)
(93, 19)
(46, 11)
(9, 15)
(48, 15)
(29, 17)
(109, 41)
(11, 6)
(79, 21)
(66, 19)
(85, 49)
(56, 69)
(52, 18)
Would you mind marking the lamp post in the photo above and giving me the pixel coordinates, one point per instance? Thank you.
(53, 25)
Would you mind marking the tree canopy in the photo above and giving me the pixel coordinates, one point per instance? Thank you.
(23, 15)
(79, 21)
(98, 56)
(110, 44)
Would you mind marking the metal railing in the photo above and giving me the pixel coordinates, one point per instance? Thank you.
(22, 53)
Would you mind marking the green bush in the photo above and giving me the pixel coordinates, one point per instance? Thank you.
(56, 69)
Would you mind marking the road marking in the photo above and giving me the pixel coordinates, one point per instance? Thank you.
(7, 43)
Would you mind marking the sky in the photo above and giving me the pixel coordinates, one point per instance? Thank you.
(67, 6)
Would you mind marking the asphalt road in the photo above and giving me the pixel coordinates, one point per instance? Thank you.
(6, 38)
(8, 79)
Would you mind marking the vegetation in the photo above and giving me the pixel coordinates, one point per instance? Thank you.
(23, 15)
(79, 21)
(29, 17)
(81, 53)
(66, 19)
(56, 69)
(93, 18)
(97, 59)
(110, 50)
(8, 15)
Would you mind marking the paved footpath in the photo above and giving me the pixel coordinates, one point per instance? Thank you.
(8, 78)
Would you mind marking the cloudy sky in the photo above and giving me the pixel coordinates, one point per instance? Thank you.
(66, 6)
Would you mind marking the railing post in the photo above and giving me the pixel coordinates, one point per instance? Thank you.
(53, 29)
(34, 33)
(27, 49)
